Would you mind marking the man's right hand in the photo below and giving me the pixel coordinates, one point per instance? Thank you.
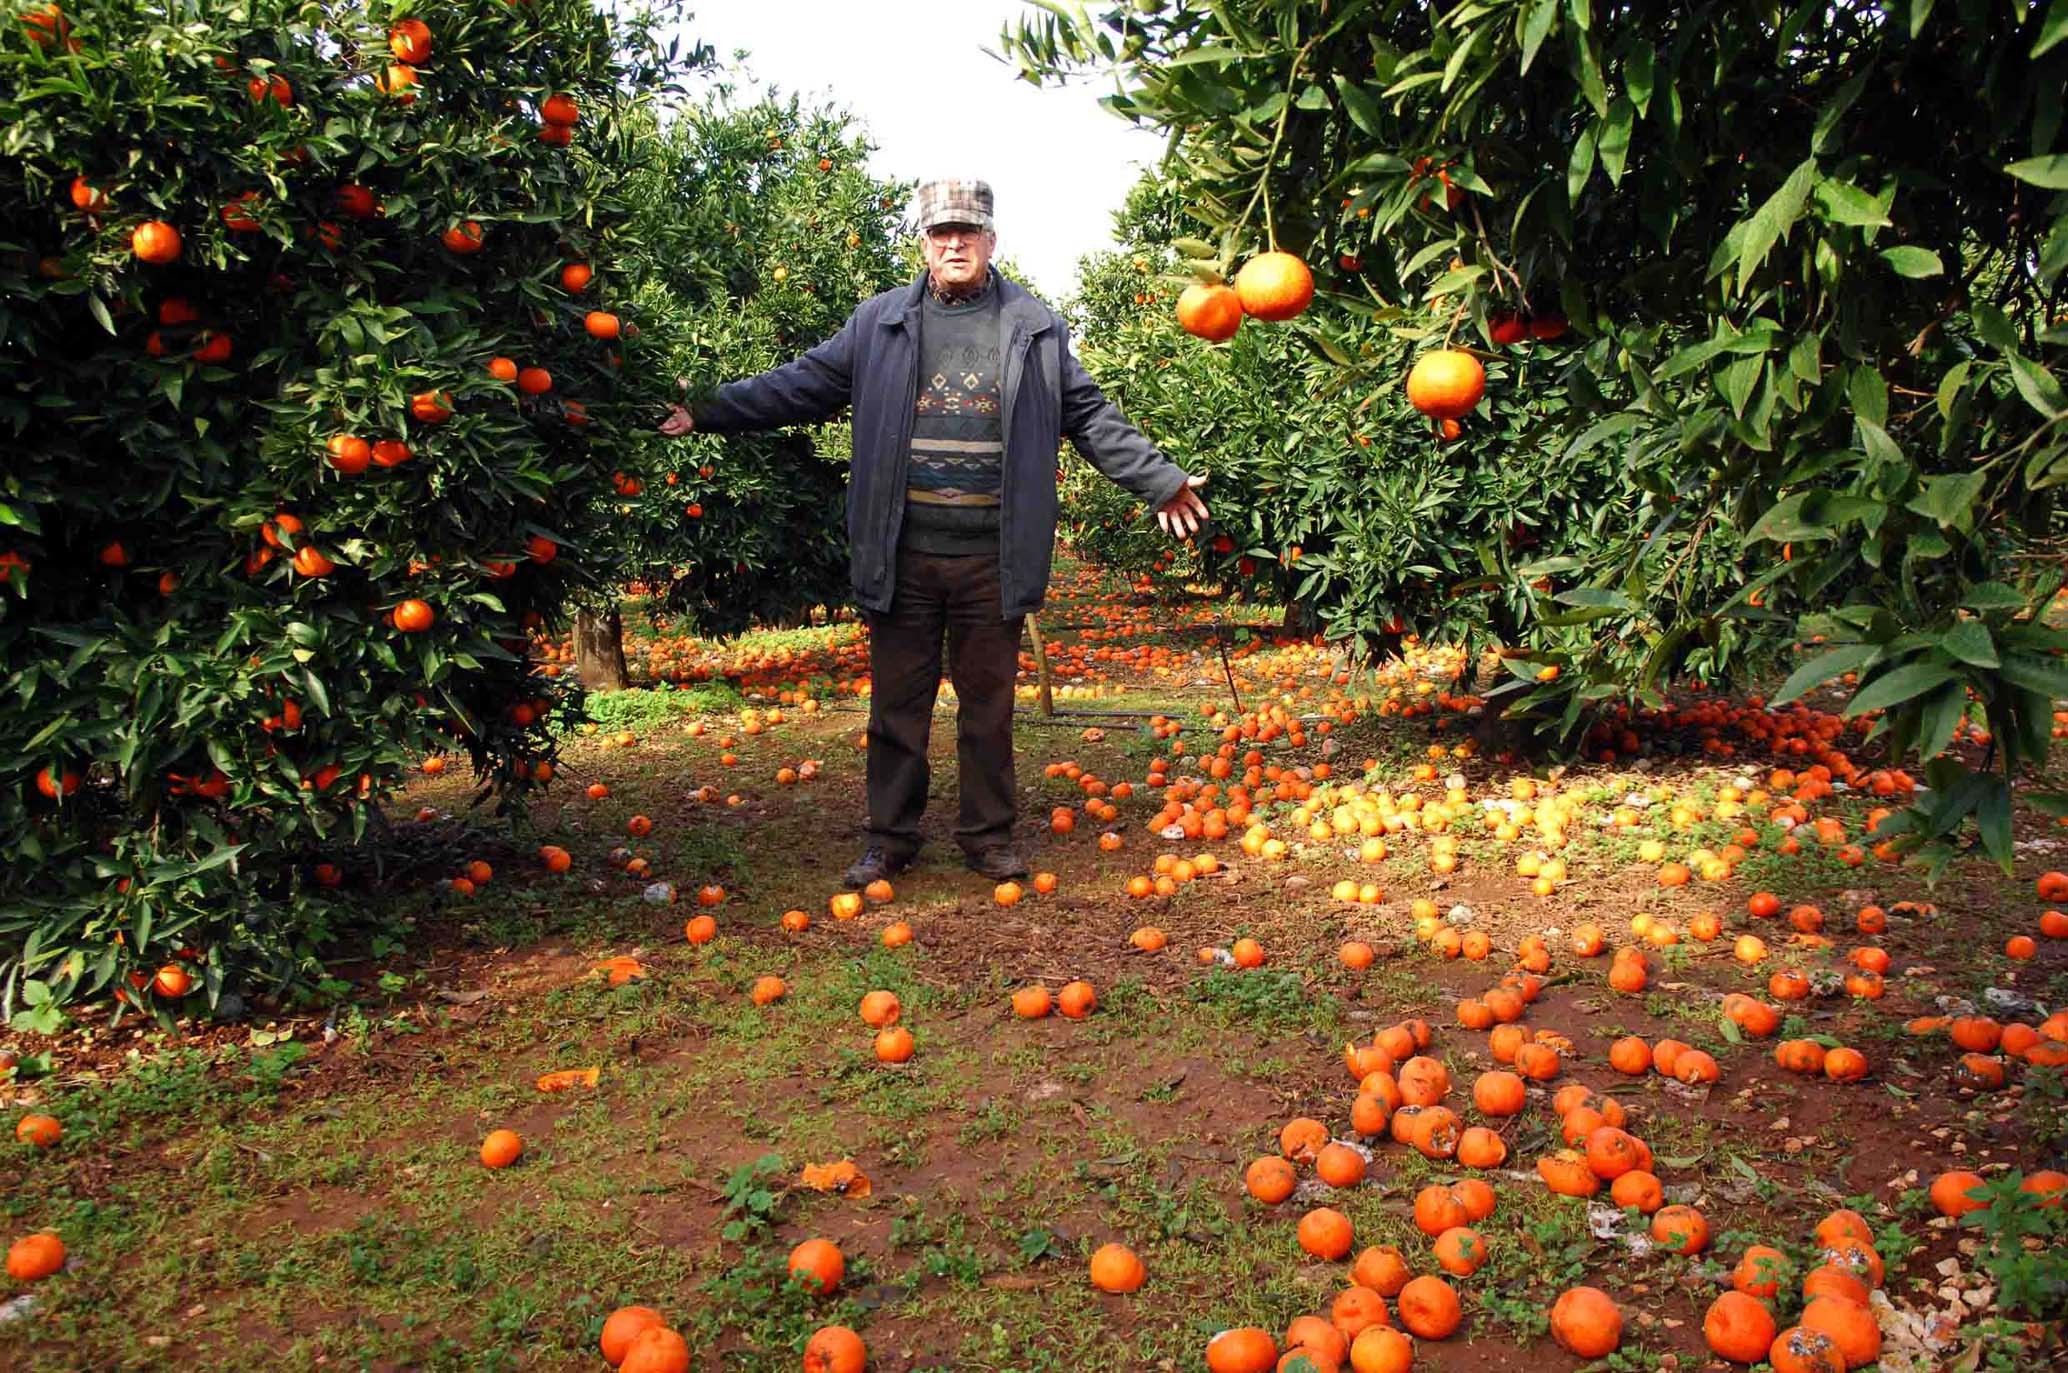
(679, 421)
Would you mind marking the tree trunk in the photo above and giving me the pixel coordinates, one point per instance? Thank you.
(599, 650)
(1299, 621)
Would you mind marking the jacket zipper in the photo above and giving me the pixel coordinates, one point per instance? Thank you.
(902, 459)
(1015, 369)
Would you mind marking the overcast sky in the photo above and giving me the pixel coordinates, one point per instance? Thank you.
(935, 105)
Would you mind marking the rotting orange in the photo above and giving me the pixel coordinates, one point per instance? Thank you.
(501, 1149)
(625, 1325)
(818, 1264)
(1116, 1268)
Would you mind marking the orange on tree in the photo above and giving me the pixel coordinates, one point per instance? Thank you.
(1446, 383)
(412, 616)
(156, 242)
(410, 41)
(201, 146)
(463, 238)
(1274, 286)
(1211, 312)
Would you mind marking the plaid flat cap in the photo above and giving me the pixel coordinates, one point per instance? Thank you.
(953, 202)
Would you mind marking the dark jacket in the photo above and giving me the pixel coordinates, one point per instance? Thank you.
(873, 365)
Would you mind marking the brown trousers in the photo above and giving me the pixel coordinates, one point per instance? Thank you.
(958, 596)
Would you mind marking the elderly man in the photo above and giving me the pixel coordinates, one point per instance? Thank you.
(962, 386)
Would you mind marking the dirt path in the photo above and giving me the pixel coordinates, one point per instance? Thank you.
(300, 1190)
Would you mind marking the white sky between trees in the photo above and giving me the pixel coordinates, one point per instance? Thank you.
(918, 80)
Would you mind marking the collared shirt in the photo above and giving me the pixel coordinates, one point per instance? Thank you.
(961, 295)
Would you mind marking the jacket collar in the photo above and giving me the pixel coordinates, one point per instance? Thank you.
(1017, 306)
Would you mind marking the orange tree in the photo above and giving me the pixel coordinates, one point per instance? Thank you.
(1121, 297)
(304, 424)
(1796, 270)
(1324, 503)
(1319, 499)
(758, 230)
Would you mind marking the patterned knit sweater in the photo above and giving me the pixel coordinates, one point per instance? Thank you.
(958, 437)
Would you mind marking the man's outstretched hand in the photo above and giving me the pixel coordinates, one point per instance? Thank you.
(679, 421)
(1184, 514)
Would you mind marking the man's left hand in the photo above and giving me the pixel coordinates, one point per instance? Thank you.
(1184, 514)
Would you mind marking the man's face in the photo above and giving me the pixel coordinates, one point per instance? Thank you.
(958, 254)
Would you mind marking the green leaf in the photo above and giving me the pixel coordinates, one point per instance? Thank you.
(1826, 667)
(1994, 326)
(1585, 616)
(1898, 685)
(216, 859)
(1613, 146)
(1810, 515)
(2053, 256)
(1595, 597)
(1736, 381)
(1771, 222)
(1834, 110)
(1582, 164)
(1920, 10)
(1992, 596)
(1950, 386)
(1622, 422)
(1695, 354)
(1867, 389)
(1970, 642)
(2037, 386)
(2042, 672)
(1911, 261)
(1592, 85)
(1359, 105)
(1638, 77)
(1941, 716)
(1459, 58)
(2053, 30)
(99, 310)
(1993, 822)
(1844, 203)
(1326, 346)
(1204, 56)
(1950, 499)
(1537, 23)
(2049, 173)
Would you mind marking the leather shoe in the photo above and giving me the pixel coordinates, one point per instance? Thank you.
(997, 863)
(874, 865)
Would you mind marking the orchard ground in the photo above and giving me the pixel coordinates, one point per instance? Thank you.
(303, 1189)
